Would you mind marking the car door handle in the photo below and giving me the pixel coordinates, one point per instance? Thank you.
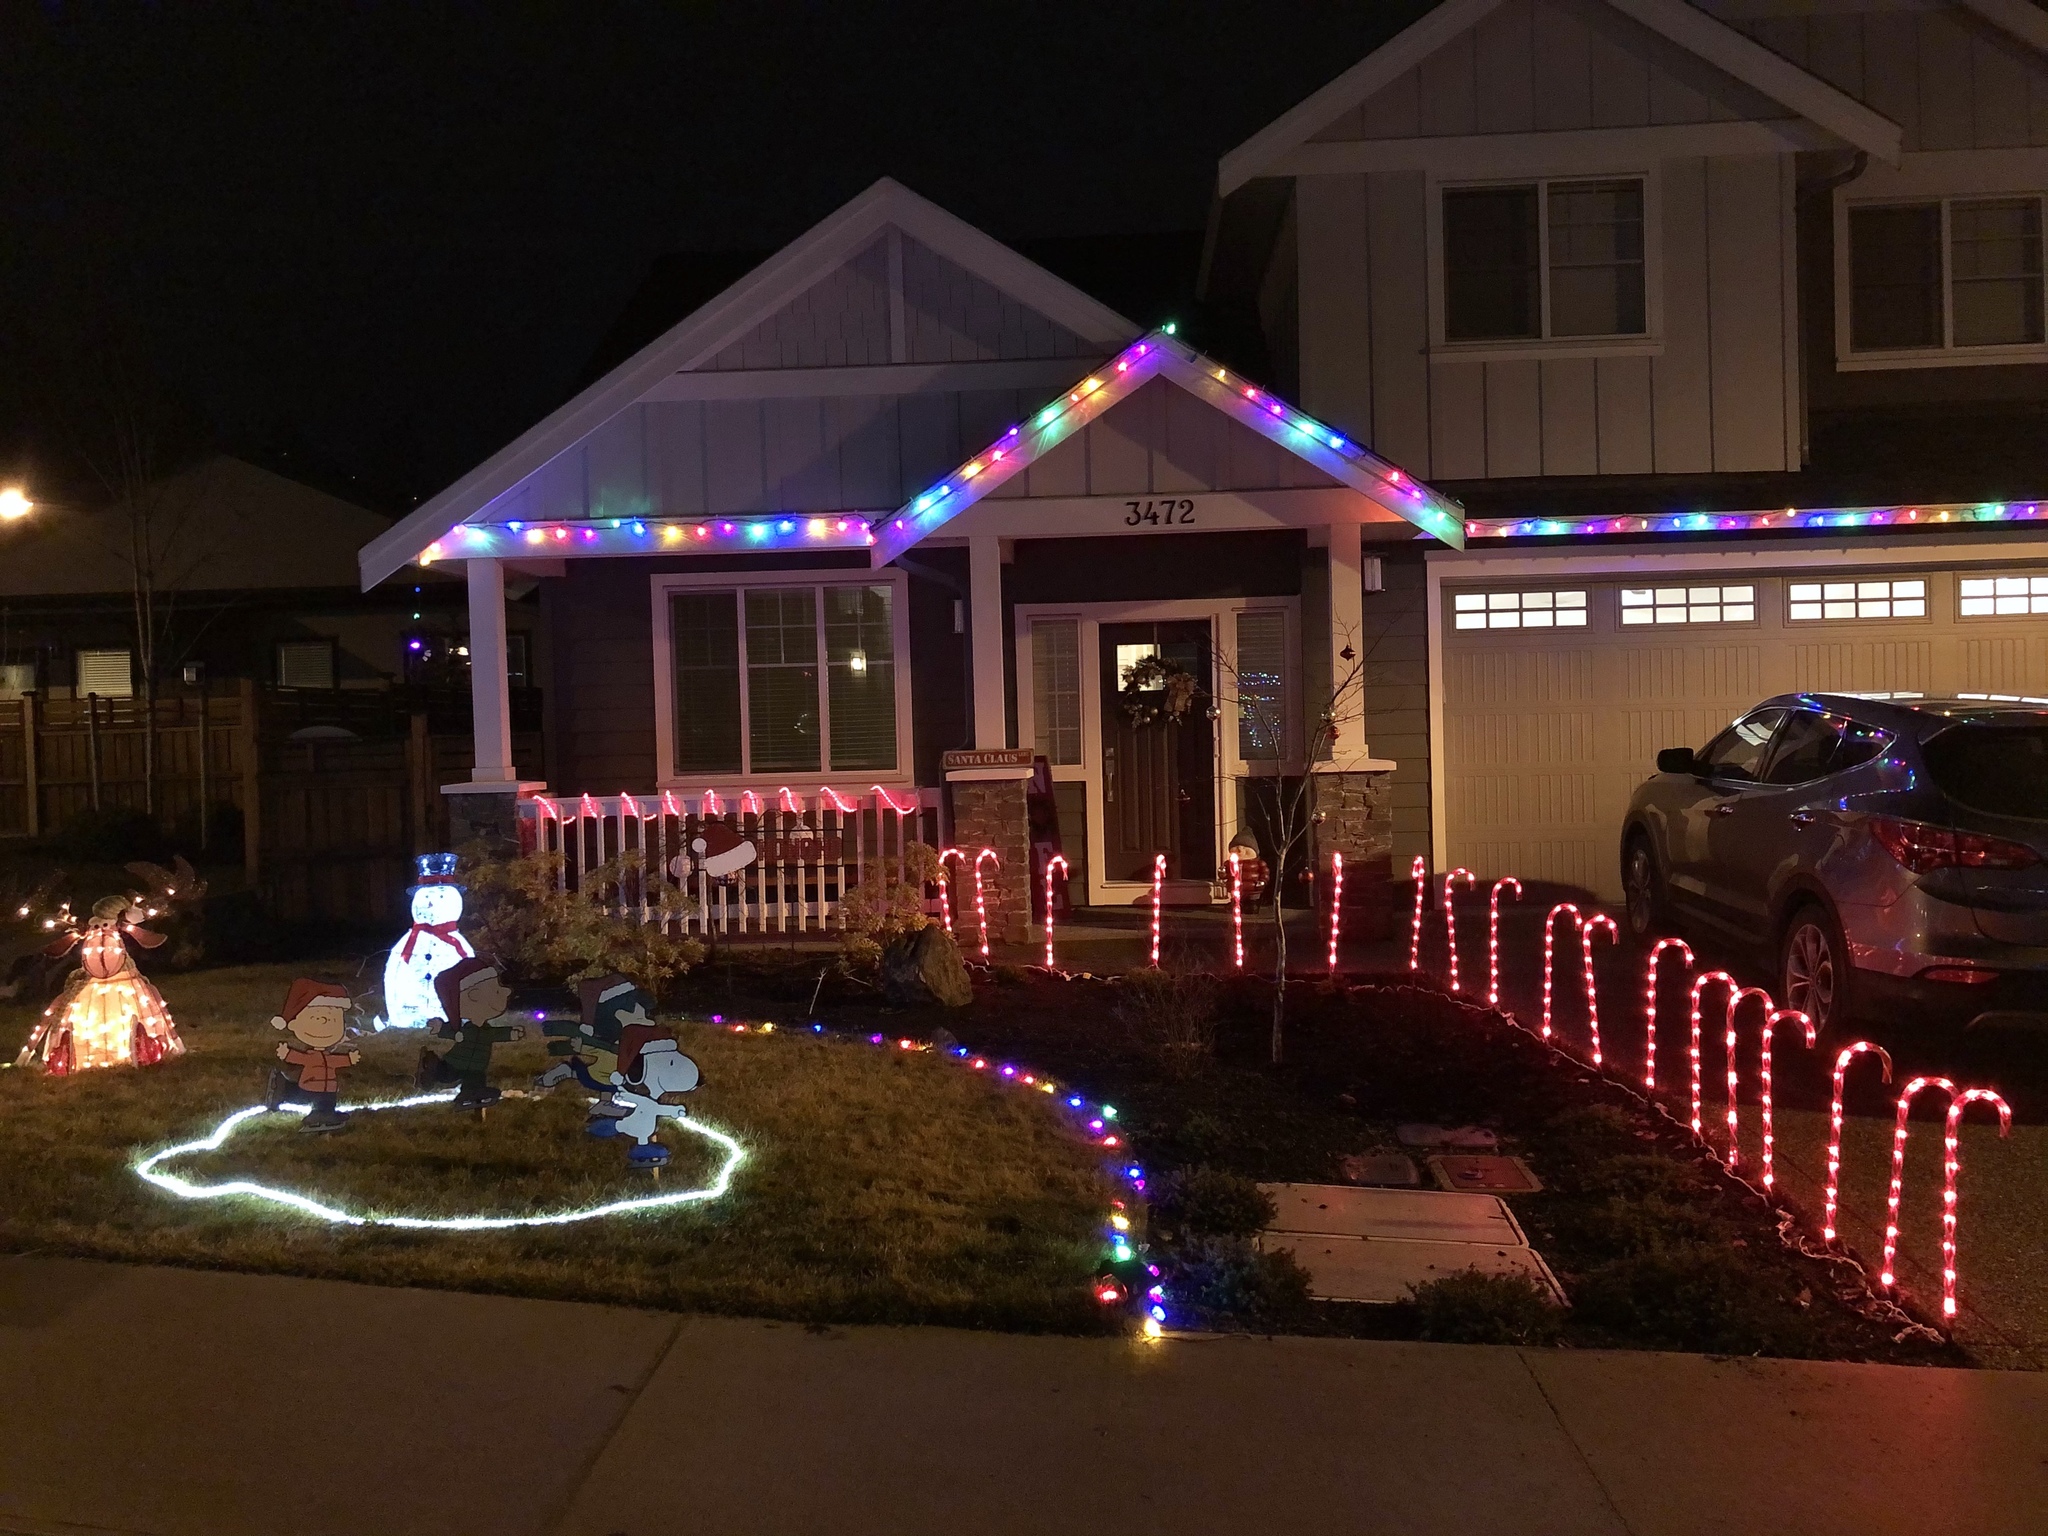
(1725, 808)
(1801, 818)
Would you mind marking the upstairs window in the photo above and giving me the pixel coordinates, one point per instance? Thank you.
(1544, 260)
(1946, 274)
(306, 663)
(109, 674)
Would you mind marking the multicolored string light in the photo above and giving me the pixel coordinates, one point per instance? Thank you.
(1237, 911)
(1493, 937)
(1158, 901)
(1952, 1167)
(1734, 1081)
(1597, 923)
(1336, 903)
(1419, 873)
(1924, 515)
(1777, 1017)
(1056, 862)
(1911, 1091)
(1834, 1181)
(1451, 918)
(1699, 989)
(987, 855)
(1650, 1004)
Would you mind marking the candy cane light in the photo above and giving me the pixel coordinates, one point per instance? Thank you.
(1776, 1017)
(1951, 1168)
(946, 885)
(1237, 910)
(1699, 990)
(1056, 862)
(1337, 907)
(1734, 1082)
(1451, 917)
(1158, 898)
(1493, 937)
(1834, 1186)
(1419, 873)
(980, 899)
(1650, 1004)
(1598, 922)
(1912, 1090)
(1550, 954)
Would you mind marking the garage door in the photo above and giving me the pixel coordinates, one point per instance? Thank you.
(1558, 692)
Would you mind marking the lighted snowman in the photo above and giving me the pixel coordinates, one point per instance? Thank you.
(429, 947)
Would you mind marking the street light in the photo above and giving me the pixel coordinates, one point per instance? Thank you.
(14, 503)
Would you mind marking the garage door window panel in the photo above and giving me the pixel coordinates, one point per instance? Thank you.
(1519, 610)
(1656, 607)
(2002, 597)
(1812, 602)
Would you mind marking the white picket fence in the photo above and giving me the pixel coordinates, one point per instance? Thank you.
(809, 849)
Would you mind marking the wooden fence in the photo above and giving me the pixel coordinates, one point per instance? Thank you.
(334, 793)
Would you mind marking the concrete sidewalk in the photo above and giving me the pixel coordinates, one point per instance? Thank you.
(173, 1402)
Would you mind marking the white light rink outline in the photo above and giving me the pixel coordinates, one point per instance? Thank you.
(185, 1189)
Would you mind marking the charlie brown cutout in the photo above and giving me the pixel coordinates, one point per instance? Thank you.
(316, 1016)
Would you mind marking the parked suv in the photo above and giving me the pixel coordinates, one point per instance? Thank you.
(1889, 852)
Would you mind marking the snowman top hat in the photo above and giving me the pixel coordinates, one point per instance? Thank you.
(436, 869)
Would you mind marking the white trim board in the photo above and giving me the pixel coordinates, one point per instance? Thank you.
(699, 337)
(1047, 373)
(1564, 152)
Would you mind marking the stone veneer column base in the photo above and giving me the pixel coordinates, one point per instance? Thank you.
(489, 814)
(989, 812)
(1355, 817)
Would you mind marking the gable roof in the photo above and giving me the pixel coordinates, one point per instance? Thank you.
(702, 335)
(1161, 355)
(1698, 33)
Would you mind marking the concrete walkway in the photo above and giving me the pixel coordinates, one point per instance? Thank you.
(172, 1402)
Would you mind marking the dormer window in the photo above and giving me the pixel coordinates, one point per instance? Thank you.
(1544, 260)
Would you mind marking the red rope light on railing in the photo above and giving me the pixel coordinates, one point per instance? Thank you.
(1594, 924)
(1493, 937)
(1336, 903)
(628, 806)
(1699, 989)
(1777, 1017)
(1907, 1094)
(670, 806)
(750, 803)
(786, 798)
(1057, 861)
(1734, 1082)
(1419, 873)
(588, 807)
(901, 810)
(1650, 1005)
(547, 808)
(1451, 917)
(836, 800)
(1952, 1167)
(1158, 898)
(711, 805)
(1834, 1184)
(1237, 910)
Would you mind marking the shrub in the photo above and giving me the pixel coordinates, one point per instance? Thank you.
(1625, 1228)
(1474, 1308)
(518, 914)
(1210, 1202)
(1638, 1175)
(887, 904)
(1693, 1296)
(1171, 1015)
(1228, 1275)
(113, 835)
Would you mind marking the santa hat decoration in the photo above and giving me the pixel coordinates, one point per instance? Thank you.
(635, 1040)
(448, 985)
(305, 990)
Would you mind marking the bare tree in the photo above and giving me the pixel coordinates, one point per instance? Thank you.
(1287, 801)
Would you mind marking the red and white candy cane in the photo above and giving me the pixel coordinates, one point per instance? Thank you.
(1451, 917)
(1158, 900)
(946, 885)
(1336, 903)
(1734, 1082)
(1237, 910)
(1419, 873)
(1493, 937)
(1650, 1004)
(1952, 1166)
(980, 900)
(1550, 953)
(1911, 1091)
(1056, 862)
(1699, 988)
(1594, 924)
(1776, 1017)
(1834, 1186)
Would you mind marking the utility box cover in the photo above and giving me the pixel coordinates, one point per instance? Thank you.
(1364, 1269)
(1496, 1175)
(1339, 1210)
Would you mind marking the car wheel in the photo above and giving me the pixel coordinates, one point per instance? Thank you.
(1642, 888)
(1813, 967)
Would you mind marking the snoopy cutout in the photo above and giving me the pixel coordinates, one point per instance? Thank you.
(652, 1067)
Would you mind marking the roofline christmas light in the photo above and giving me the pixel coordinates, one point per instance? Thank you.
(1926, 515)
(649, 536)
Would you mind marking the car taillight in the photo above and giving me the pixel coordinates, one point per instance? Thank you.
(1921, 846)
(1965, 975)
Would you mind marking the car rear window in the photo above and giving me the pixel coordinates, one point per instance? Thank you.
(1998, 769)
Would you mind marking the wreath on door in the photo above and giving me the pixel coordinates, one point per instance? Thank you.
(1157, 688)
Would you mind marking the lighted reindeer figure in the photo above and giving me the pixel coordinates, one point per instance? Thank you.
(1451, 918)
(1913, 1089)
(1951, 1168)
(1699, 990)
(1650, 1004)
(1776, 1017)
(1493, 936)
(1831, 1199)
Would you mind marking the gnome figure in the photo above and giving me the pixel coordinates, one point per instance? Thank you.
(429, 947)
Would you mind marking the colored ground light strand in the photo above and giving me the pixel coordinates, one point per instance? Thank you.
(1699, 990)
(1599, 922)
(1337, 905)
(1158, 898)
(1913, 1089)
(1419, 873)
(1493, 937)
(1056, 862)
(1734, 1079)
(981, 896)
(1951, 1169)
(1237, 911)
(1550, 956)
(1776, 1017)
(1831, 1200)
(150, 1169)
(1451, 918)
(1650, 1005)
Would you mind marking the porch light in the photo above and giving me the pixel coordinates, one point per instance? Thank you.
(14, 503)
(857, 662)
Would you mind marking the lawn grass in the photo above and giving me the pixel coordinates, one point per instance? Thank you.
(878, 1186)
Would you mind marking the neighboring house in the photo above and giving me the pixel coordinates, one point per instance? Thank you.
(1726, 324)
(253, 577)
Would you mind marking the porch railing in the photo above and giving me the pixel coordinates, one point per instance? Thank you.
(808, 850)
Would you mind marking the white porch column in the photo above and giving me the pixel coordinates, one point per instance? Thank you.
(1347, 632)
(490, 688)
(985, 611)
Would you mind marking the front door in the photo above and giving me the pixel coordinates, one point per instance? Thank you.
(1158, 773)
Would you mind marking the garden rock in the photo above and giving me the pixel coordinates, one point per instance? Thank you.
(925, 967)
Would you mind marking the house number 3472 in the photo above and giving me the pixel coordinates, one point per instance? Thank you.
(1159, 512)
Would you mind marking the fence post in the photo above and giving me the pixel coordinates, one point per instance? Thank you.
(247, 738)
(30, 787)
(418, 763)
(92, 744)
(205, 769)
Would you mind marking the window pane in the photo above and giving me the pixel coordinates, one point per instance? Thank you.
(106, 673)
(1738, 752)
(1491, 283)
(1056, 688)
(306, 663)
(1261, 685)
(1804, 747)
(704, 630)
(1596, 258)
(1895, 277)
(860, 658)
(782, 680)
(1995, 272)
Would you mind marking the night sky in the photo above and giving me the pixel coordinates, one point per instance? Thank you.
(384, 238)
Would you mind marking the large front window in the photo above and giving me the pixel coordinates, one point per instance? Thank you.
(751, 695)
